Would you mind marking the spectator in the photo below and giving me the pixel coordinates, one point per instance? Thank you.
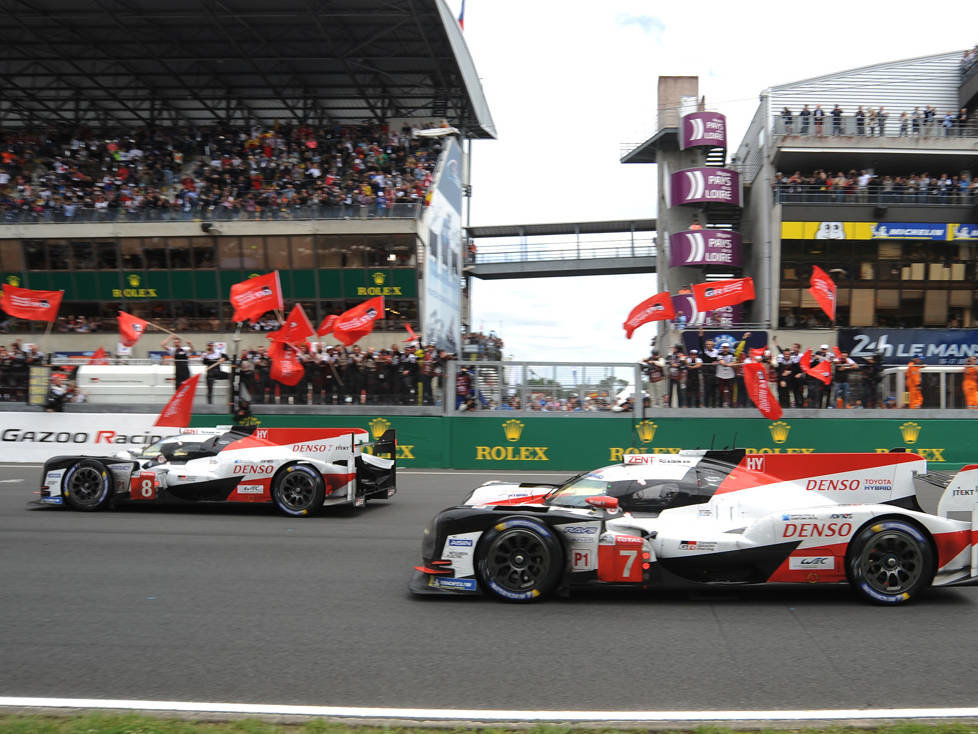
(836, 120)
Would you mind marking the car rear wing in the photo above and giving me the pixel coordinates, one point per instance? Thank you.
(961, 496)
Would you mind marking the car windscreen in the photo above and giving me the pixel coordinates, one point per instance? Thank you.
(635, 491)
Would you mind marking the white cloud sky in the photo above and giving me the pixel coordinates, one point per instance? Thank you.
(571, 83)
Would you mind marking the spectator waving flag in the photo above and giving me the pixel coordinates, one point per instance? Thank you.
(327, 326)
(99, 357)
(24, 303)
(719, 293)
(657, 308)
(823, 291)
(286, 367)
(130, 328)
(176, 413)
(755, 380)
(822, 371)
(297, 327)
(253, 297)
(359, 321)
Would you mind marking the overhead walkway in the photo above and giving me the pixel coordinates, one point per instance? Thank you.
(564, 249)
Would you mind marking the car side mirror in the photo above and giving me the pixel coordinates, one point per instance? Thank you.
(604, 503)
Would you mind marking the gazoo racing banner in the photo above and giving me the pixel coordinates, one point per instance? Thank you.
(705, 186)
(36, 437)
(703, 128)
(705, 247)
(899, 346)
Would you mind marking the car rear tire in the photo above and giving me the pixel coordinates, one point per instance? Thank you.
(519, 560)
(890, 562)
(298, 491)
(87, 486)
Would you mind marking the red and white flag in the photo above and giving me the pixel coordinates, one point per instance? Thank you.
(759, 389)
(24, 303)
(253, 297)
(286, 367)
(359, 321)
(412, 337)
(130, 328)
(823, 291)
(100, 357)
(176, 413)
(657, 308)
(822, 371)
(327, 326)
(297, 327)
(719, 293)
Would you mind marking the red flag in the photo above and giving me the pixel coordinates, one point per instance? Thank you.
(297, 327)
(177, 412)
(822, 371)
(755, 352)
(255, 296)
(130, 328)
(657, 308)
(413, 337)
(359, 321)
(24, 303)
(286, 367)
(718, 293)
(823, 291)
(100, 357)
(755, 380)
(327, 326)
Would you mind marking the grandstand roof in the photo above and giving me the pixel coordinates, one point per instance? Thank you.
(125, 63)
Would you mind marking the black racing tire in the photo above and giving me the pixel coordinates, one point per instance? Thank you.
(890, 561)
(298, 491)
(519, 560)
(87, 486)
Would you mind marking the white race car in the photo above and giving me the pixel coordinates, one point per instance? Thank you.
(710, 517)
(299, 470)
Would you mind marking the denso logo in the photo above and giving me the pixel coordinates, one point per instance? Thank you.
(580, 530)
(253, 469)
(817, 529)
(460, 542)
(832, 485)
(310, 448)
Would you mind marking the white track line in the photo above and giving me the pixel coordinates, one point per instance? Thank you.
(357, 712)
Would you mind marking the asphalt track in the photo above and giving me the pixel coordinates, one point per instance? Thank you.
(242, 605)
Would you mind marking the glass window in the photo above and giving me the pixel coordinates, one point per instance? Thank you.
(179, 253)
(278, 253)
(154, 248)
(229, 253)
(11, 255)
(253, 253)
(58, 255)
(108, 256)
(303, 253)
(132, 254)
(83, 255)
(204, 252)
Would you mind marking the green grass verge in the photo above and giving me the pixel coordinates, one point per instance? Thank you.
(138, 724)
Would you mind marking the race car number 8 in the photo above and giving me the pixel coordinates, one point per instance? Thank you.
(143, 487)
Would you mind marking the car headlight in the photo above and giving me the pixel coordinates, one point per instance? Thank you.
(428, 541)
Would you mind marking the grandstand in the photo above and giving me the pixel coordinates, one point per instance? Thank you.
(154, 155)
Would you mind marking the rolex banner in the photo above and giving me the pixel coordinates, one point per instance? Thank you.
(719, 293)
(657, 308)
(755, 380)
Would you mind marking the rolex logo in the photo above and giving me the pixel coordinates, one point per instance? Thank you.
(779, 431)
(646, 431)
(910, 432)
(13, 280)
(378, 426)
(378, 278)
(133, 280)
(513, 429)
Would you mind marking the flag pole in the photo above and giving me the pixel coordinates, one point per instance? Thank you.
(44, 340)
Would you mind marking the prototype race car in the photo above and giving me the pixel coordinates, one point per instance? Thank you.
(710, 517)
(299, 470)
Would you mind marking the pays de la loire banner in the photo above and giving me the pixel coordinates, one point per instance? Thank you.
(703, 129)
(705, 186)
(705, 247)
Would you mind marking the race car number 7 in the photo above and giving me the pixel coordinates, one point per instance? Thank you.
(629, 556)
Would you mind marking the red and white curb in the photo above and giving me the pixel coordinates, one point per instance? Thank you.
(421, 714)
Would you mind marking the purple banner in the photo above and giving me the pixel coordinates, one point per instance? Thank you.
(705, 186)
(705, 247)
(688, 316)
(703, 128)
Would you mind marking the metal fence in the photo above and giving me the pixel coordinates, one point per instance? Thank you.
(949, 194)
(894, 126)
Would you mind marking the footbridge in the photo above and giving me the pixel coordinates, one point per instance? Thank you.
(557, 250)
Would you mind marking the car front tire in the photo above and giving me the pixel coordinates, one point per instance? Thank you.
(87, 486)
(519, 560)
(890, 562)
(298, 491)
